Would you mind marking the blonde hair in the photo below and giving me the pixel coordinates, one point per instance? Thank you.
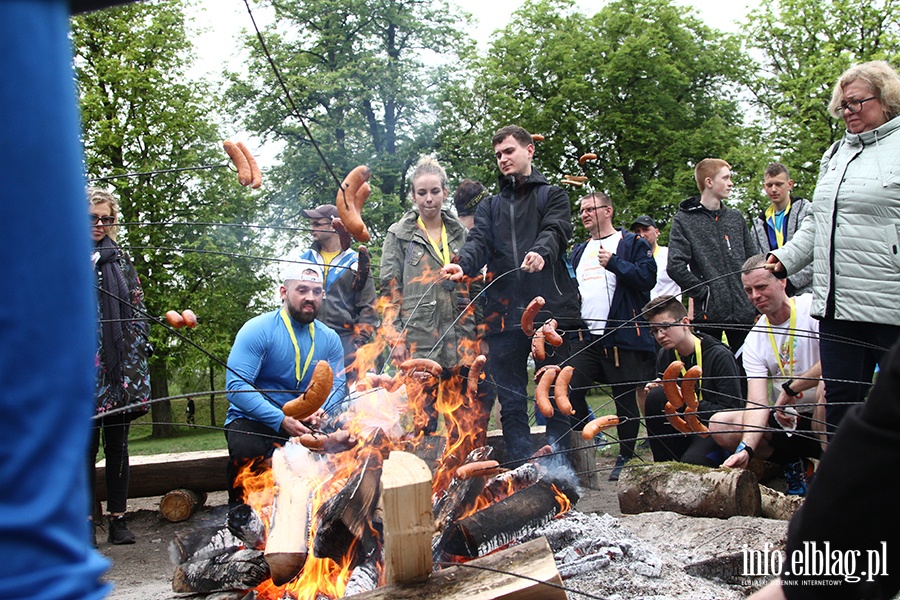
(427, 166)
(100, 196)
(708, 167)
(878, 75)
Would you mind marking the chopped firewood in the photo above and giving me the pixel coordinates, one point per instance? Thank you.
(287, 542)
(243, 522)
(179, 505)
(505, 521)
(234, 570)
(346, 518)
(406, 517)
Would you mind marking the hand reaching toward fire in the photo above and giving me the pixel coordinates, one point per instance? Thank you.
(295, 427)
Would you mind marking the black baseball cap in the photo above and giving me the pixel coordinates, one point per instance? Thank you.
(644, 221)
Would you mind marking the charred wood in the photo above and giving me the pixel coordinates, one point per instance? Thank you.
(505, 521)
(231, 570)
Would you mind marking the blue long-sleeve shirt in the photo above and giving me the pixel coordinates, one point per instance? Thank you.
(264, 355)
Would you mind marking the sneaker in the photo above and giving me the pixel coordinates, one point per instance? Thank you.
(798, 475)
(620, 462)
(600, 440)
(118, 531)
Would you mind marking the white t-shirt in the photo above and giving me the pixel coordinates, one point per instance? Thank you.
(759, 356)
(596, 284)
(664, 284)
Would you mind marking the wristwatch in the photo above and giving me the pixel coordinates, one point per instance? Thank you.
(786, 386)
(746, 448)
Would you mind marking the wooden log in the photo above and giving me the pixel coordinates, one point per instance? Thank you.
(406, 517)
(502, 522)
(179, 505)
(584, 461)
(237, 569)
(286, 544)
(344, 521)
(519, 573)
(688, 490)
(776, 505)
(155, 475)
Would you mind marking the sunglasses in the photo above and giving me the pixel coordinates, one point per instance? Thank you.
(104, 220)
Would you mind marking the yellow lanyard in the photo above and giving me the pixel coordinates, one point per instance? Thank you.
(770, 218)
(655, 251)
(698, 352)
(445, 255)
(792, 325)
(312, 347)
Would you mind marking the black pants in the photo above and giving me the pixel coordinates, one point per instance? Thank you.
(248, 441)
(508, 368)
(848, 362)
(667, 443)
(624, 370)
(114, 430)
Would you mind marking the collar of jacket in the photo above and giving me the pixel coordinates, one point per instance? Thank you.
(871, 137)
(509, 182)
(693, 204)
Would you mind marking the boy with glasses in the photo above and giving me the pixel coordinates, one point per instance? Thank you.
(718, 389)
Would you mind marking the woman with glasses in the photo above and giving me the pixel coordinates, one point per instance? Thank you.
(853, 240)
(123, 377)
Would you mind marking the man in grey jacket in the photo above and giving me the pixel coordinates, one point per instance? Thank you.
(349, 304)
(707, 246)
(772, 228)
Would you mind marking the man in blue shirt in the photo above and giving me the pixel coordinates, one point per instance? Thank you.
(278, 350)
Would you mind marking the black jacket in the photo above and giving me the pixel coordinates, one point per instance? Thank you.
(528, 215)
(635, 272)
(706, 251)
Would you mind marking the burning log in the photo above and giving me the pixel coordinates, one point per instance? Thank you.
(346, 518)
(236, 569)
(689, 490)
(179, 505)
(501, 486)
(244, 524)
(458, 500)
(407, 514)
(518, 573)
(504, 521)
(286, 543)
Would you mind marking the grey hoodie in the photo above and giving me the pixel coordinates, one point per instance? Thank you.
(706, 251)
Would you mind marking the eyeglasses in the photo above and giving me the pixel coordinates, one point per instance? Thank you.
(590, 209)
(109, 220)
(854, 106)
(658, 328)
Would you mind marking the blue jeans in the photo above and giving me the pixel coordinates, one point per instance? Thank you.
(848, 362)
(508, 364)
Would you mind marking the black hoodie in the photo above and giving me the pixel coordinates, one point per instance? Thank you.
(706, 251)
(523, 218)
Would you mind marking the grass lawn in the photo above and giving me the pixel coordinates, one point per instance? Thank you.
(204, 436)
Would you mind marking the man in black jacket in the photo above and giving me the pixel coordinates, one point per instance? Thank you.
(521, 234)
(615, 271)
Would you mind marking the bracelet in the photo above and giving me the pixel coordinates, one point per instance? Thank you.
(743, 446)
(786, 386)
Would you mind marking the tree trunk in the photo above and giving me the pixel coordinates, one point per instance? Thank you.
(212, 397)
(160, 412)
(689, 490)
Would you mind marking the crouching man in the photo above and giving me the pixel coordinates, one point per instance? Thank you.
(781, 353)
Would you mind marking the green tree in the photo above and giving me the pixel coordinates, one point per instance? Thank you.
(356, 71)
(644, 84)
(803, 46)
(140, 114)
